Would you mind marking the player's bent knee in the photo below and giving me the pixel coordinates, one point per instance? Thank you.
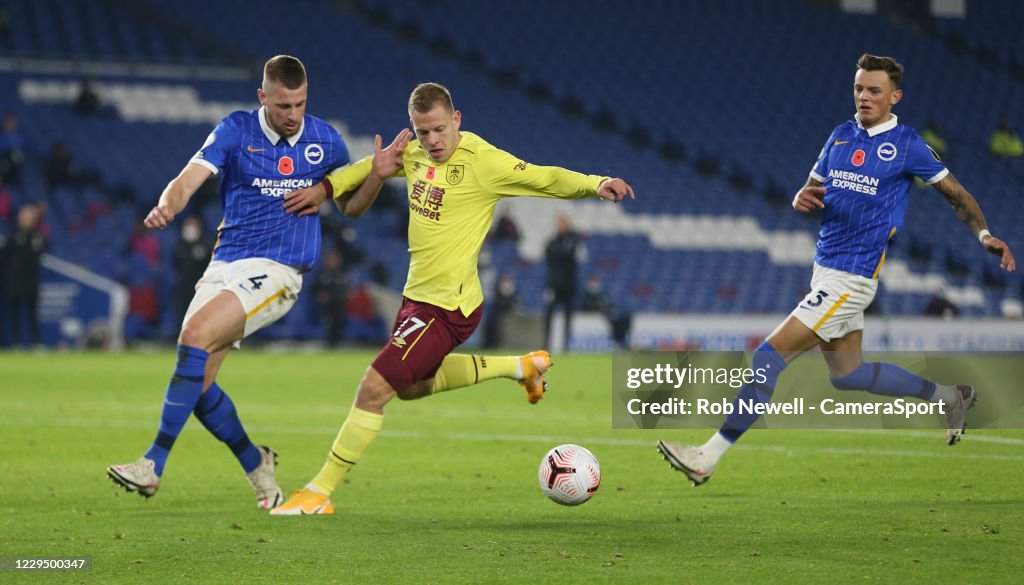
(374, 391)
(203, 336)
(418, 390)
(193, 335)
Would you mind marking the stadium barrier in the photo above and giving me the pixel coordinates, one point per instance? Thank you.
(79, 308)
(745, 332)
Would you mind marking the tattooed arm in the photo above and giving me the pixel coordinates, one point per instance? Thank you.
(967, 209)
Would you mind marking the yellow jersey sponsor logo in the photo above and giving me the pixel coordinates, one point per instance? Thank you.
(839, 142)
(251, 149)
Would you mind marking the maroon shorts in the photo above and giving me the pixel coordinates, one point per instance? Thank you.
(423, 335)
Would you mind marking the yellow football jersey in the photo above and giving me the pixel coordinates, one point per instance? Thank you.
(451, 208)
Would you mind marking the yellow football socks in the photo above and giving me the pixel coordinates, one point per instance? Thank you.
(458, 370)
(358, 431)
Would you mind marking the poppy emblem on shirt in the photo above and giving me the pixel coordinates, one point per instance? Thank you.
(858, 157)
(314, 154)
(886, 151)
(285, 165)
(430, 173)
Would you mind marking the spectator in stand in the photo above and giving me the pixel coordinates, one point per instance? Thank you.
(506, 228)
(88, 101)
(143, 299)
(596, 300)
(144, 243)
(22, 265)
(505, 300)
(191, 255)
(340, 236)
(6, 208)
(330, 290)
(12, 151)
(563, 253)
(1005, 142)
(932, 136)
(939, 305)
(59, 169)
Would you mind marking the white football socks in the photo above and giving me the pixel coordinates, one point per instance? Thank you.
(945, 394)
(716, 446)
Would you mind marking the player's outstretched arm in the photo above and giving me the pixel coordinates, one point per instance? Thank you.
(386, 162)
(176, 195)
(969, 212)
(505, 175)
(810, 197)
(352, 199)
(615, 190)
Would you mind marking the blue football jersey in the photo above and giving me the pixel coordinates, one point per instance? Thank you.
(867, 175)
(259, 168)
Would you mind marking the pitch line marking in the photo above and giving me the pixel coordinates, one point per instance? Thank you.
(327, 432)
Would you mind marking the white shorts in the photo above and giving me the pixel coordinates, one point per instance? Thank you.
(835, 306)
(266, 288)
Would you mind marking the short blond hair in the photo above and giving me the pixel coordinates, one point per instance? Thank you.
(427, 95)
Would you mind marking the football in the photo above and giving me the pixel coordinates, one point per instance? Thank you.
(569, 474)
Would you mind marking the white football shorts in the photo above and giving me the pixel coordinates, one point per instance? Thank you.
(266, 288)
(835, 306)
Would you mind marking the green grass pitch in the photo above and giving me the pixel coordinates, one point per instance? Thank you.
(448, 493)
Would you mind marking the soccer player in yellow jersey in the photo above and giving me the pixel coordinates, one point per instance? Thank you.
(454, 181)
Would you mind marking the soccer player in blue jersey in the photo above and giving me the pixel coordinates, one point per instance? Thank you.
(258, 261)
(861, 182)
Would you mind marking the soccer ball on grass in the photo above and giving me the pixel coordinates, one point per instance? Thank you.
(569, 474)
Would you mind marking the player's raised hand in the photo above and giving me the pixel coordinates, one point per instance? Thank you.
(809, 198)
(159, 217)
(615, 190)
(305, 201)
(1000, 248)
(386, 162)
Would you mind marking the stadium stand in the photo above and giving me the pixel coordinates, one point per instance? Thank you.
(714, 136)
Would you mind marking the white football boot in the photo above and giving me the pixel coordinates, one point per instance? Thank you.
(690, 460)
(268, 495)
(138, 476)
(956, 413)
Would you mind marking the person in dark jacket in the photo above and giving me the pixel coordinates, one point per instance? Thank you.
(191, 256)
(562, 254)
(22, 264)
(330, 289)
